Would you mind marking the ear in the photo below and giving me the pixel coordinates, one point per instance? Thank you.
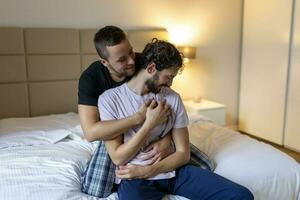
(151, 68)
(103, 62)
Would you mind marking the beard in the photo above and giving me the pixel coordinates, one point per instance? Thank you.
(127, 72)
(151, 84)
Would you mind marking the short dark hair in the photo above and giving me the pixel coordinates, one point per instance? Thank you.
(108, 36)
(162, 53)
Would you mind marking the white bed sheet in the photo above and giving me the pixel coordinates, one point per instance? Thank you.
(267, 172)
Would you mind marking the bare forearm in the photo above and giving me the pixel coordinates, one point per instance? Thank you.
(123, 152)
(170, 163)
(177, 159)
(143, 172)
(103, 130)
(106, 130)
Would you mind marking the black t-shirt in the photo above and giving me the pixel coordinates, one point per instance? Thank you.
(95, 80)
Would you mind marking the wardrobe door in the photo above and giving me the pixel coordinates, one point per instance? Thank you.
(292, 129)
(266, 34)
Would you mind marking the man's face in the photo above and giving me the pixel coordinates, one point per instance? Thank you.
(161, 79)
(120, 61)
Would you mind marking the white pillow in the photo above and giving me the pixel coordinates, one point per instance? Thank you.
(49, 122)
(39, 130)
(29, 138)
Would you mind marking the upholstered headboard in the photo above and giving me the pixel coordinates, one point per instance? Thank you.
(40, 67)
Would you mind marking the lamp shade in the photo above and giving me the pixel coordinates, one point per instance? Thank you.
(188, 51)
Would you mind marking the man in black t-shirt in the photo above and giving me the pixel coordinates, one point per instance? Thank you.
(116, 65)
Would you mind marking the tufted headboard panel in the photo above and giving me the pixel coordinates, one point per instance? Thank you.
(40, 67)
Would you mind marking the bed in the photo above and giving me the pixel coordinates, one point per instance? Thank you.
(43, 153)
(43, 158)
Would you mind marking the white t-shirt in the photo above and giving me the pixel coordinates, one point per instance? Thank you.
(121, 102)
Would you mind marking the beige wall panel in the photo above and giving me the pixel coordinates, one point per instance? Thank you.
(13, 100)
(12, 68)
(11, 41)
(53, 97)
(292, 129)
(139, 39)
(86, 60)
(51, 41)
(87, 41)
(50, 67)
(264, 68)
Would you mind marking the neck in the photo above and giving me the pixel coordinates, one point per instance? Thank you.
(137, 84)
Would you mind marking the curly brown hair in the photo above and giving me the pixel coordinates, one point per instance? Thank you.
(162, 53)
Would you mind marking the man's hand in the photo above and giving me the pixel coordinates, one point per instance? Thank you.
(131, 171)
(157, 113)
(141, 114)
(158, 150)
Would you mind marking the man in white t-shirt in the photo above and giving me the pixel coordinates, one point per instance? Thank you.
(160, 62)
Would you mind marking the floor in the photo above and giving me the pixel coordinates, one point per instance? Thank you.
(294, 154)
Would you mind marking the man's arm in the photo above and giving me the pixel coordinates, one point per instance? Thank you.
(173, 161)
(159, 149)
(121, 152)
(103, 130)
(181, 156)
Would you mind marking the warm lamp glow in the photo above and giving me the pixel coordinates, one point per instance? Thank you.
(179, 35)
(188, 51)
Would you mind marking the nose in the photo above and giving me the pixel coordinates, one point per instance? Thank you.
(131, 60)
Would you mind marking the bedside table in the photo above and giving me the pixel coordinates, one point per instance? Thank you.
(212, 110)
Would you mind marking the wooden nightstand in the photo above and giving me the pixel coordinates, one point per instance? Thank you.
(213, 110)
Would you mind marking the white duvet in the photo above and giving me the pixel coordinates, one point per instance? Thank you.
(267, 172)
(51, 169)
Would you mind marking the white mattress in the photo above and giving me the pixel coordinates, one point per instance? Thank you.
(267, 172)
(51, 168)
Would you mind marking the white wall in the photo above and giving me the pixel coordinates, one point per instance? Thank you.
(264, 68)
(213, 26)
